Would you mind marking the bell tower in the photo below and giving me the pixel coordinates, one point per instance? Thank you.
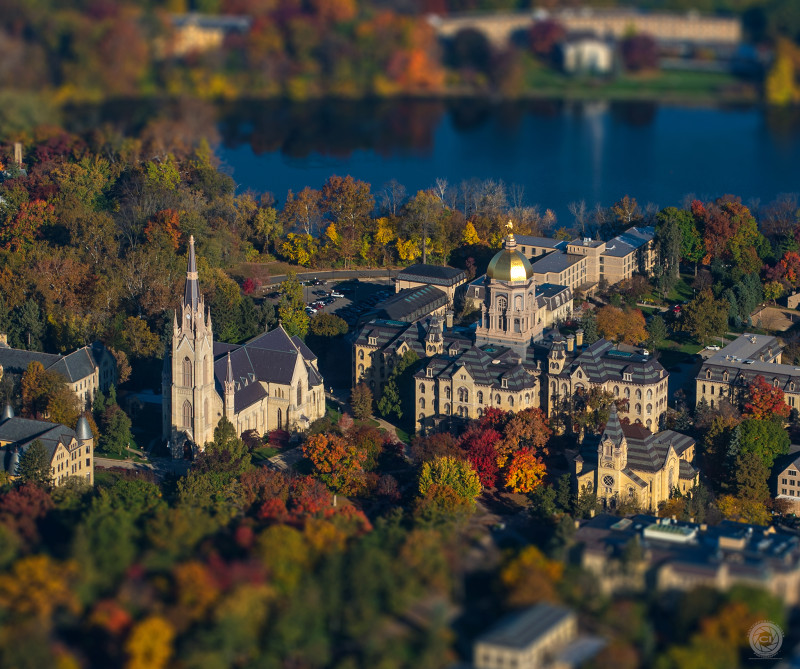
(194, 405)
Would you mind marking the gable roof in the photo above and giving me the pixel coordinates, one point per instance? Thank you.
(73, 366)
(438, 275)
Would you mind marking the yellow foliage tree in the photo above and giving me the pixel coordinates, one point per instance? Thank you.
(470, 236)
(38, 585)
(743, 510)
(332, 234)
(408, 250)
(384, 233)
(530, 577)
(149, 645)
(780, 86)
(525, 471)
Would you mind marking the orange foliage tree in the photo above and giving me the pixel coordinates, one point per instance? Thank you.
(531, 577)
(336, 462)
(525, 471)
(618, 325)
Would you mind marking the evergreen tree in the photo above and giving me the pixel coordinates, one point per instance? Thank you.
(396, 392)
(656, 332)
(589, 325)
(34, 464)
(361, 401)
(116, 433)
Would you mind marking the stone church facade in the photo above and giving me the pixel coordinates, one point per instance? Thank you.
(270, 382)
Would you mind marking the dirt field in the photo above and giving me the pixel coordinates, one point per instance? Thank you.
(777, 319)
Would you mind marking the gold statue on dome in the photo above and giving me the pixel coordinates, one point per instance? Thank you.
(509, 225)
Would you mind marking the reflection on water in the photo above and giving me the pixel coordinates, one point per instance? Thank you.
(559, 151)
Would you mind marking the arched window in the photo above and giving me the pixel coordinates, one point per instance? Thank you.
(518, 302)
(638, 394)
(187, 372)
(649, 423)
(361, 370)
(299, 394)
(206, 415)
(527, 398)
(447, 408)
(463, 395)
(421, 402)
(638, 408)
(775, 383)
(206, 371)
(725, 376)
(649, 394)
(422, 388)
(422, 417)
(704, 389)
(708, 373)
(187, 414)
(280, 419)
(497, 399)
(649, 408)
(480, 397)
(553, 387)
(628, 393)
(447, 392)
(502, 303)
(361, 355)
(511, 401)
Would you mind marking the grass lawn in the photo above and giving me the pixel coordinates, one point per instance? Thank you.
(682, 290)
(263, 454)
(402, 435)
(117, 456)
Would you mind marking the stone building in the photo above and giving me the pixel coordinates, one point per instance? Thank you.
(630, 463)
(86, 370)
(270, 382)
(572, 367)
(785, 481)
(728, 372)
(71, 452)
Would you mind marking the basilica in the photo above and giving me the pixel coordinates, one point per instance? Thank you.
(270, 382)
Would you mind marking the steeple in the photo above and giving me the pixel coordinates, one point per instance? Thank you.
(230, 388)
(191, 294)
(613, 429)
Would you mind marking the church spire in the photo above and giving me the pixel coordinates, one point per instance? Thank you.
(191, 295)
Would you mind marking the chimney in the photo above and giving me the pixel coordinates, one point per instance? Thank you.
(570, 343)
(18, 154)
(448, 316)
(579, 337)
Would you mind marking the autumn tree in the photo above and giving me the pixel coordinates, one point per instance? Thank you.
(765, 401)
(530, 577)
(525, 471)
(348, 203)
(627, 326)
(336, 462)
(453, 473)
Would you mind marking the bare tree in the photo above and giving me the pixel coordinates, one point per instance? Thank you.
(578, 211)
(393, 196)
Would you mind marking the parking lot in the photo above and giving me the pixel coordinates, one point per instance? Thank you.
(357, 297)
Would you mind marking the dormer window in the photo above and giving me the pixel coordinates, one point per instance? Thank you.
(627, 376)
(708, 373)
(504, 383)
(429, 372)
(373, 341)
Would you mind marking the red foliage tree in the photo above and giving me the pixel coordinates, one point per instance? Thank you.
(22, 508)
(765, 402)
(544, 36)
(479, 445)
(639, 52)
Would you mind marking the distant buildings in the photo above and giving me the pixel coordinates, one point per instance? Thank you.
(446, 279)
(586, 54)
(731, 370)
(786, 474)
(540, 637)
(70, 452)
(270, 382)
(86, 370)
(644, 553)
(630, 463)
(204, 32)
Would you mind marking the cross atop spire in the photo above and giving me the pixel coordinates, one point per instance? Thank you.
(191, 294)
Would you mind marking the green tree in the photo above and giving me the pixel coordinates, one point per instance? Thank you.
(396, 393)
(327, 325)
(705, 317)
(669, 238)
(456, 474)
(34, 464)
(657, 332)
(361, 401)
(291, 308)
(589, 326)
(765, 438)
(115, 435)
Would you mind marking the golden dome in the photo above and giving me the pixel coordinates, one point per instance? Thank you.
(509, 264)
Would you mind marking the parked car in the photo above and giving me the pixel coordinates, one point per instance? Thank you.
(335, 294)
(317, 282)
(712, 348)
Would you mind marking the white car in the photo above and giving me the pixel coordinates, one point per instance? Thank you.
(712, 348)
(336, 294)
(311, 311)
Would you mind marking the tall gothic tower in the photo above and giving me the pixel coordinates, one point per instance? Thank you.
(509, 313)
(192, 406)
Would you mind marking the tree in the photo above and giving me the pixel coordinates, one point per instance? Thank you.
(454, 473)
(149, 645)
(115, 436)
(396, 392)
(765, 438)
(657, 332)
(589, 326)
(348, 203)
(361, 401)
(618, 325)
(639, 52)
(291, 308)
(139, 340)
(704, 317)
(530, 577)
(765, 401)
(525, 471)
(337, 463)
(544, 36)
(327, 325)
(34, 465)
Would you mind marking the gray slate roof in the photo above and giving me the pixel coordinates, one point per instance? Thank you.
(542, 242)
(629, 241)
(74, 366)
(437, 275)
(270, 358)
(555, 262)
(410, 304)
(21, 432)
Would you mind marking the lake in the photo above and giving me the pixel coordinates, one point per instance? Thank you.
(558, 151)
